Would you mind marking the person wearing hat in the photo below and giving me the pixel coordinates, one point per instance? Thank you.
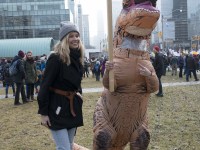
(59, 98)
(19, 78)
(159, 68)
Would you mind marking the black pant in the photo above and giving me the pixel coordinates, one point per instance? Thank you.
(160, 85)
(30, 90)
(7, 88)
(181, 72)
(20, 89)
(188, 73)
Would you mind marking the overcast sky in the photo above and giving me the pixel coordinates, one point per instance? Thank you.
(92, 7)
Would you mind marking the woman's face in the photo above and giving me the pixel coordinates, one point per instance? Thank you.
(74, 40)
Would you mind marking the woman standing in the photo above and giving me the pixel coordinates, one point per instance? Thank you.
(59, 99)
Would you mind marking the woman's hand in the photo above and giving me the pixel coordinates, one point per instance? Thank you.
(45, 121)
(109, 65)
(144, 71)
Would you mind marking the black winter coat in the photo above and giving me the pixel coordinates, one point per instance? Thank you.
(20, 76)
(190, 63)
(7, 78)
(68, 78)
(158, 64)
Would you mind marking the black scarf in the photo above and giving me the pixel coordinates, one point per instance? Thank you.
(75, 55)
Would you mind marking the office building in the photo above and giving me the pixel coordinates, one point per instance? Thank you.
(86, 36)
(32, 18)
(73, 7)
(194, 23)
(181, 23)
(80, 21)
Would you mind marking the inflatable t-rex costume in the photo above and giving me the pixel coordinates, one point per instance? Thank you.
(120, 117)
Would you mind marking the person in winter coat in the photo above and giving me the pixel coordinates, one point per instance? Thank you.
(191, 68)
(180, 65)
(19, 78)
(59, 98)
(8, 79)
(2, 66)
(103, 67)
(97, 70)
(31, 75)
(38, 81)
(86, 68)
(159, 67)
(174, 65)
(43, 65)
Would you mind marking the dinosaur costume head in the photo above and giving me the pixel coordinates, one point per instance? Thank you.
(138, 17)
(128, 3)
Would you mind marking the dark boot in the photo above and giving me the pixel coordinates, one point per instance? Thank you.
(32, 98)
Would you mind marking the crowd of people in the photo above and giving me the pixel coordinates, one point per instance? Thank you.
(95, 66)
(181, 65)
(29, 73)
(178, 63)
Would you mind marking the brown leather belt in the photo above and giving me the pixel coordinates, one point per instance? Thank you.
(69, 95)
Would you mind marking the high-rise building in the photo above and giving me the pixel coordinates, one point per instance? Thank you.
(73, 7)
(194, 23)
(181, 23)
(32, 18)
(86, 36)
(80, 21)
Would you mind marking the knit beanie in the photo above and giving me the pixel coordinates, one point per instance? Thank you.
(21, 54)
(156, 48)
(66, 28)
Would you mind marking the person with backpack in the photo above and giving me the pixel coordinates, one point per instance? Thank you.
(19, 78)
(97, 70)
(8, 79)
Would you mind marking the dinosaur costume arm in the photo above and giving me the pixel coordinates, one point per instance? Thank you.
(152, 83)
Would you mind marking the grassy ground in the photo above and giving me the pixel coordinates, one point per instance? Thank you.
(173, 121)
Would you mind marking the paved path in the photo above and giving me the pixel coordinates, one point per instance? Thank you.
(93, 90)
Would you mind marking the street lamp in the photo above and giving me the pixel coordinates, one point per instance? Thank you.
(162, 20)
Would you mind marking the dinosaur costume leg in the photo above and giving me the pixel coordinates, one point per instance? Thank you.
(140, 139)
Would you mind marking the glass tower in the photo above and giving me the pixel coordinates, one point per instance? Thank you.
(181, 23)
(32, 18)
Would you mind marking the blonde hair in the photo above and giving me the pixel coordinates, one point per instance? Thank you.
(63, 50)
